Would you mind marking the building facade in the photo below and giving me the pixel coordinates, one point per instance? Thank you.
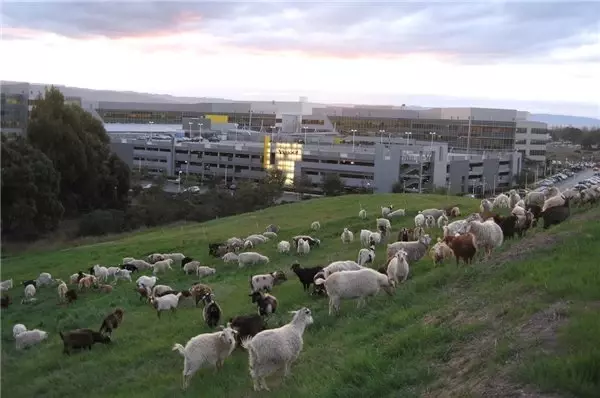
(14, 109)
(531, 140)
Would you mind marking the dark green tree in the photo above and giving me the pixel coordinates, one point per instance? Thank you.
(332, 185)
(30, 191)
(78, 146)
(303, 185)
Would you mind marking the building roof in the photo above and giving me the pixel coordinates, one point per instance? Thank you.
(142, 128)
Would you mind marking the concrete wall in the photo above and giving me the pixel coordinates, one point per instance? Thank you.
(387, 167)
(459, 173)
(490, 172)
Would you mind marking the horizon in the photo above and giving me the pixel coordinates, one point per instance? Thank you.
(493, 55)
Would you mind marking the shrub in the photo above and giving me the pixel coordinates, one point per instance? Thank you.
(101, 222)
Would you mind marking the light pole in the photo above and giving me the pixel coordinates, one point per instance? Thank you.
(353, 131)
(381, 133)
(408, 134)
(190, 123)
(305, 137)
(151, 129)
(179, 182)
(432, 134)
(200, 129)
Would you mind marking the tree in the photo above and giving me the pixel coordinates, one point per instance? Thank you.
(78, 146)
(302, 185)
(30, 190)
(332, 185)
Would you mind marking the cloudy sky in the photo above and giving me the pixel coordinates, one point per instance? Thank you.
(533, 55)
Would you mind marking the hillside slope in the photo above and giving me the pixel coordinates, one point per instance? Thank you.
(529, 317)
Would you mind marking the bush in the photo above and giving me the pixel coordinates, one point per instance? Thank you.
(398, 187)
(101, 222)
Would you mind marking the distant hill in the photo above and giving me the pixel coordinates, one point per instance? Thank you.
(565, 120)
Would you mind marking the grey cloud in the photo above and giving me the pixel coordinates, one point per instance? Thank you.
(473, 32)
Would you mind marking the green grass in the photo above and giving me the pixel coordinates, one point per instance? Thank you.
(402, 346)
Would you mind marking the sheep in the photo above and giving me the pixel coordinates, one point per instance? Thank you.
(347, 236)
(144, 292)
(81, 338)
(29, 338)
(211, 313)
(158, 290)
(112, 271)
(396, 214)
(29, 291)
(248, 245)
(247, 326)
(440, 252)
(71, 295)
(488, 235)
(435, 213)
(199, 290)
(403, 235)
(30, 282)
(417, 233)
(5, 301)
(162, 266)
(270, 235)
(366, 256)
(272, 228)
(306, 275)
(384, 226)
(303, 247)
(550, 192)
(315, 226)
(429, 222)
(374, 239)
(501, 202)
(362, 214)
(44, 279)
(460, 226)
(354, 284)
(415, 250)
(463, 246)
(230, 258)
(234, 244)
(556, 215)
(265, 302)
(385, 210)
(127, 260)
(256, 239)
(152, 258)
(275, 349)
(313, 242)
(452, 211)
(112, 321)
(100, 272)
(141, 264)
(123, 274)
(266, 281)
(419, 220)
(397, 269)
(318, 290)
(18, 329)
(535, 198)
(251, 258)
(514, 198)
(129, 267)
(164, 303)
(553, 201)
(176, 257)
(5, 285)
(518, 211)
(283, 246)
(203, 271)
(338, 266)
(146, 281)
(442, 221)
(365, 234)
(190, 267)
(206, 349)
(486, 206)
(217, 249)
(61, 290)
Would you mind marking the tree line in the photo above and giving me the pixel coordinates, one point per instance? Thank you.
(586, 137)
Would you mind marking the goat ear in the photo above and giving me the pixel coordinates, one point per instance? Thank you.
(293, 312)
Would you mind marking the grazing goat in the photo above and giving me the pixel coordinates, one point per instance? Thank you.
(81, 338)
(306, 275)
(266, 303)
(463, 246)
(211, 312)
(247, 326)
(112, 321)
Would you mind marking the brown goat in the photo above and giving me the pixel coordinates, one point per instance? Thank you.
(112, 321)
(5, 301)
(143, 292)
(105, 288)
(200, 290)
(71, 295)
(463, 246)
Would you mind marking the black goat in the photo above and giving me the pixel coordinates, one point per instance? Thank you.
(508, 225)
(30, 282)
(247, 326)
(556, 215)
(82, 338)
(306, 275)
(212, 311)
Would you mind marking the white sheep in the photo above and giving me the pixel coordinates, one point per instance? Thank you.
(165, 303)
(283, 246)
(62, 290)
(112, 271)
(251, 258)
(385, 210)
(384, 226)
(419, 220)
(518, 211)
(146, 281)
(365, 234)
(203, 271)
(362, 214)
(347, 236)
(176, 257)
(429, 222)
(396, 214)
(535, 198)
(374, 238)
(30, 338)
(235, 244)
(435, 213)
(206, 349)
(256, 239)
(248, 245)
(442, 221)
(514, 198)
(190, 267)
(127, 260)
(397, 269)
(554, 201)
(155, 257)
(415, 250)
(270, 234)
(440, 252)
(18, 329)
(486, 206)
(460, 226)
(230, 257)
(141, 264)
(160, 289)
(358, 284)
(488, 235)
(501, 201)
(29, 292)
(44, 279)
(303, 247)
(337, 266)
(275, 349)
(266, 281)
(315, 226)
(101, 273)
(366, 256)
(123, 274)
(5, 285)
(162, 266)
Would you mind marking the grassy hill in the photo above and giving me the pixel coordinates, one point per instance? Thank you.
(529, 317)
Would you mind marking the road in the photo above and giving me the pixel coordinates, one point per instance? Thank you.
(571, 182)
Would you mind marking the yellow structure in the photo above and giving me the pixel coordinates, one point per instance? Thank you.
(286, 156)
(267, 153)
(218, 118)
(337, 140)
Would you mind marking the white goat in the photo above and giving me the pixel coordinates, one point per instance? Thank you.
(315, 226)
(397, 269)
(251, 258)
(283, 246)
(366, 256)
(347, 236)
(303, 247)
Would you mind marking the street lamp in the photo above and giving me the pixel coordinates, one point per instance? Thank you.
(305, 137)
(151, 129)
(200, 129)
(381, 133)
(408, 134)
(353, 131)
(432, 134)
(190, 123)
(179, 182)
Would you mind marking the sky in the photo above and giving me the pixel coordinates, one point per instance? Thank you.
(531, 55)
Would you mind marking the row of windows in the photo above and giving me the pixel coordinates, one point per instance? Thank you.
(257, 120)
(537, 153)
(311, 121)
(538, 142)
(539, 131)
